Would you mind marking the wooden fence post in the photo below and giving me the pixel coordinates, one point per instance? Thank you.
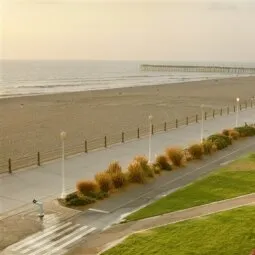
(196, 118)
(122, 137)
(38, 159)
(176, 123)
(138, 133)
(220, 111)
(213, 114)
(165, 126)
(228, 110)
(187, 120)
(10, 166)
(234, 108)
(152, 129)
(105, 142)
(205, 115)
(86, 146)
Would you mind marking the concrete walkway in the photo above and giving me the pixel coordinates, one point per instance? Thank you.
(23, 186)
(102, 241)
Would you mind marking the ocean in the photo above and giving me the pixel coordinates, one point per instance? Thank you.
(20, 78)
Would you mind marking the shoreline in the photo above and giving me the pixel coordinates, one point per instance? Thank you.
(116, 88)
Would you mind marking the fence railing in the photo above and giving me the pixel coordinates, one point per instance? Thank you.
(87, 145)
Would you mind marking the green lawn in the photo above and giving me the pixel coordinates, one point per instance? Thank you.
(235, 179)
(224, 233)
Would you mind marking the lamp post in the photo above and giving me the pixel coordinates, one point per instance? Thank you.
(202, 123)
(63, 137)
(237, 110)
(150, 134)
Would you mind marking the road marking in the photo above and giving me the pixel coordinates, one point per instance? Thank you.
(70, 241)
(40, 235)
(48, 239)
(52, 244)
(226, 162)
(97, 210)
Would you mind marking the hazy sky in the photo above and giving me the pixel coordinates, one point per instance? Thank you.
(199, 30)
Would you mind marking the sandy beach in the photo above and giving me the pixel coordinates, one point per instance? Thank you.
(33, 123)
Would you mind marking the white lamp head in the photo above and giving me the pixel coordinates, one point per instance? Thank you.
(63, 135)
(237, 99)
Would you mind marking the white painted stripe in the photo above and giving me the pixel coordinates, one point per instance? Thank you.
(42, 234)
(58, 241)
(49, 239)
(57, 249)
(97, 210)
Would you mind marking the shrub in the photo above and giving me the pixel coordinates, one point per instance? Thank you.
(118, 180)
(196, 151)
(176, 156)
(162, 162)
(114, 168)
(220, 140)
(207, 147)
(234, 134)
(99, 195)
(87, 187)
(143, 161)
(136, 173)
(245, 130)
(71, 196)
(79, 201)
(104, 181)
(226, 132)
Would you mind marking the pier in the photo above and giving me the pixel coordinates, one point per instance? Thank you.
(198, 69)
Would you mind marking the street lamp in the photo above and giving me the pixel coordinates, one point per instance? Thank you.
(63, 137)
(237, 110)
(150, 134)
(202, 123)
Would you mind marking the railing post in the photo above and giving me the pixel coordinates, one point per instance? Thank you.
(187, 120)
(196, 118)
(165, 126)
(240, 107)
(234, 108)
(86, 146)
(10, 166)
(152, 129)
(205, 115)
(138, 133)
(122, 137)
(38, 159)
(220, 111)
(213, 114)
(105, 142)
(176, 123)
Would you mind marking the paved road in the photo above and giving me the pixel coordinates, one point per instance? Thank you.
(22, 186)
(63, 237)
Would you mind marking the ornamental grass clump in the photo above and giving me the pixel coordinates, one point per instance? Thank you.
(87, 187)
(136, 173)
(196, 151)
(163, 163)
(117, 176)
(104, 181)
(176, 156)
(148, 169)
